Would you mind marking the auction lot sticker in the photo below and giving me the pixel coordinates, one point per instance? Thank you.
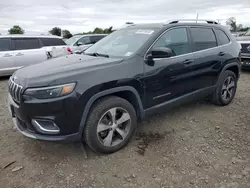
(144, 32)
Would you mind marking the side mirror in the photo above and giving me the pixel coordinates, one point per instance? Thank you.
(79, 43)
(161, 52)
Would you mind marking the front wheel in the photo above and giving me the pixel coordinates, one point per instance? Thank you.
(225, 89)
(110, 124)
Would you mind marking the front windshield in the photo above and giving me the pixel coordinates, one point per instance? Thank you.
(121, 43)
(73, 39)
(248, 33)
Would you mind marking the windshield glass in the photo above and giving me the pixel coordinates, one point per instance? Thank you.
(248, 33)
(73, 39)
(121, 43)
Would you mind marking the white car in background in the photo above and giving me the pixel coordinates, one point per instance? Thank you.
(79, 43)
(17, 51)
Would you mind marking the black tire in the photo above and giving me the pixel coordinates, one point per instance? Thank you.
(217, 97)
(100, 107)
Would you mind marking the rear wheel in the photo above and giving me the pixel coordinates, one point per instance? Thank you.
(226, 89)
(110, 124)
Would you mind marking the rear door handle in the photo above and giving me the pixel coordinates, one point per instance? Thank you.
(188, 62)
(221, 54)
(19, 54)
(7, 55)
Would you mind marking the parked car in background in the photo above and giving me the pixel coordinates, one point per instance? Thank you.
(100, 96)
(17, 51)
(79, 43)
(245, 51)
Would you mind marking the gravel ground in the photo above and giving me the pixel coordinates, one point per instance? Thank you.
(196, 145)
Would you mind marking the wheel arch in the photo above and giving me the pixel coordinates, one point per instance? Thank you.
(126, 92)
(234, 67)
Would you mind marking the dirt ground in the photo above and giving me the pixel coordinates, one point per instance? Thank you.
(196, 145)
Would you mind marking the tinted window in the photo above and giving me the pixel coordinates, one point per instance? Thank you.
(203, 38)
(95, 39)
(4, 44)
(52, 42)
(222, 37)
(26, 43)
(176, 40)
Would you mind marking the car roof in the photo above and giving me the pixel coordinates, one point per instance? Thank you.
(30, 36)
(167, 25)
(83, 35)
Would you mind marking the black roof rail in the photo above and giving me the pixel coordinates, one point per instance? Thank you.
(190, 20)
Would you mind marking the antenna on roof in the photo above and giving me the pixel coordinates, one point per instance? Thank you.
(197, 17)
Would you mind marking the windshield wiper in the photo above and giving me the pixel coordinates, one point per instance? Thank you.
(97, 54)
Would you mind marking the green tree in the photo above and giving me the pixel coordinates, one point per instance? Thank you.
(16, 29)
(66, 34)
(55, 31)
(108, 30)
(98, 30)
(231, 22)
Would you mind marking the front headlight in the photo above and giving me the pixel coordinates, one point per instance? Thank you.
(51, 92)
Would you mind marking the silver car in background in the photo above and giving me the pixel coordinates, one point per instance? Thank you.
(245, 50)
(79, 43)
(17, 51)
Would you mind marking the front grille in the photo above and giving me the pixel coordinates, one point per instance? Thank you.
(244, 48)
(15, 90)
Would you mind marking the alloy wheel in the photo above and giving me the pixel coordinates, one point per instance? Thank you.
(228, 88)
(113, 127)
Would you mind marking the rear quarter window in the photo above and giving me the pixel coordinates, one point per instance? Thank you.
(222, 37)
(52, 42)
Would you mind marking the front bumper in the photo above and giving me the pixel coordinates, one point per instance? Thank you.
(53, 111)
(245, 60)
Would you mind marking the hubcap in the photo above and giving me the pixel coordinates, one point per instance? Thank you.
(228, 88)
(113, 127)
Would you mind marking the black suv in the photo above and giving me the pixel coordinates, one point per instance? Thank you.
(100, 96)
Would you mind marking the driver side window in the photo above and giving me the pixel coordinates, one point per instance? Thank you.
(176, 40)
(84, 40)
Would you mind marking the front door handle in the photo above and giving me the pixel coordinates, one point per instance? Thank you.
(7, 55)
(188, 62)
(19, 54)
(221, 54)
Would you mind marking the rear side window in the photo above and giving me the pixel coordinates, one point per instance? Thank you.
(203, 38)
(52, 42)
(4, 44)
(26, 43)
(222, 37)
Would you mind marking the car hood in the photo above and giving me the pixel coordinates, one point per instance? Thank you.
(44, 73)
(243, 38)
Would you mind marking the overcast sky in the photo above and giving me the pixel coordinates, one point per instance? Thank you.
(83, 15)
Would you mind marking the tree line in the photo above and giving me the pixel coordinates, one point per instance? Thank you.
(231, 22)
(16, 29)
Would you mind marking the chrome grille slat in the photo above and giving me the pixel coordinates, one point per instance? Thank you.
(244, 48)
(15, 90)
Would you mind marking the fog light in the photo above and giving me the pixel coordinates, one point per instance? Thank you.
(45, 126)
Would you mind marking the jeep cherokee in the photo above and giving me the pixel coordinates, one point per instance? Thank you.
(99, 97)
